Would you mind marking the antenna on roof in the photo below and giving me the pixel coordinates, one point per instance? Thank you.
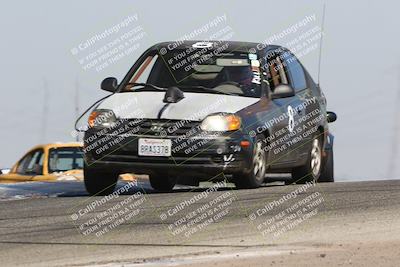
(320, 44)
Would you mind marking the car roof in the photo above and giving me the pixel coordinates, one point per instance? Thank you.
(57, 145)
(233, 45)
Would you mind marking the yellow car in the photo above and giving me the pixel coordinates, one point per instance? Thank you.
(49, 162)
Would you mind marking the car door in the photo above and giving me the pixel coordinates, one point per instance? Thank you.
(281, 154)
(305, 105)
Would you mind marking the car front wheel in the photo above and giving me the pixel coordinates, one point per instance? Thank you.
(256, 176)
(162, 183)
(99, 183)
(311, 171)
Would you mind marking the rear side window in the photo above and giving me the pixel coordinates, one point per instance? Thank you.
(296, 72)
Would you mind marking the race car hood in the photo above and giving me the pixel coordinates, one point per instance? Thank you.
(195, 106)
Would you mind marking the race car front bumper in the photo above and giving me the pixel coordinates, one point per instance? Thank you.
(205, 156)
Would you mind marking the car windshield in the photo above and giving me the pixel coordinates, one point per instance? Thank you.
(65, 158)
(232, 73)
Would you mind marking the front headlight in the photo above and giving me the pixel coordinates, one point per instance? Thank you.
(102, 118)
(221, 123)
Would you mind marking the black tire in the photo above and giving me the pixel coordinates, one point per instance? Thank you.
(162, 183)
(327, 175)
(100, 183)
(256, 176)
(310, 172)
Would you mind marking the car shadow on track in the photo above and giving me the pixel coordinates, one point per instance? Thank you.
(25, 190)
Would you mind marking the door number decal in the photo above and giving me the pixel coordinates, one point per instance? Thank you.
(290, 113)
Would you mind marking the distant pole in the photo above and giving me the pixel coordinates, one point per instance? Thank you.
(77, 103)
(45, 111)
(395, 139)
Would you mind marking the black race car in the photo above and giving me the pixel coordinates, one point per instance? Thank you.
(208, 111)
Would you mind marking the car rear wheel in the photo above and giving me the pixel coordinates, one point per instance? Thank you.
(162, 183)
(99, 183)
(327, 175)
(256, 176)
(311, 171)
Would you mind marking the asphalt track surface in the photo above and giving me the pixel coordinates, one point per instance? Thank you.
(342, 224)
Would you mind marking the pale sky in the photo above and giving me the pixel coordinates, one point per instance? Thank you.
(360, 72)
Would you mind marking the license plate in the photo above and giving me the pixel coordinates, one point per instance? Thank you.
(154, 147)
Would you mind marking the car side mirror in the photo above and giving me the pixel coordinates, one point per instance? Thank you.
(282, 91)
(331, 116)
(109, 84)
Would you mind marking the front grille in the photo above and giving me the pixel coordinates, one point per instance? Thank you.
(187, 140)
(163, 127)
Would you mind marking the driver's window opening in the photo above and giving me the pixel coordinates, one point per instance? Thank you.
(31, 164)
(277, 73)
